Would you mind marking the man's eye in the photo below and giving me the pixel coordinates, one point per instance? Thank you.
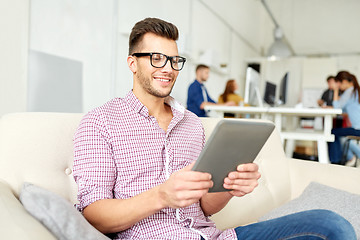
(157, 57)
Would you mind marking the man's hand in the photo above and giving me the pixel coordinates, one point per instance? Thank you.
(244, 180)
(184, 187)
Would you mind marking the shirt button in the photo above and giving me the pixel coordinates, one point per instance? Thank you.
(68, 171)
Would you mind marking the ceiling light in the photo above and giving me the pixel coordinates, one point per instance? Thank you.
(279, 49)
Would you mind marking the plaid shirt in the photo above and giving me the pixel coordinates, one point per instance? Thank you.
(121, 151)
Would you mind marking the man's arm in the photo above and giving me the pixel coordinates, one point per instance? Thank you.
(203, 104)
(241, 182)
(182, 189)
(115, 215)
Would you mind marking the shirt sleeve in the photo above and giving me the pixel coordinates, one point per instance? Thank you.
(210, 99)
(208, 96)
(94, 167)
(344, 98)
(324, 95)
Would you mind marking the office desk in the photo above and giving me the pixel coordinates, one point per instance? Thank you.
(322, 137)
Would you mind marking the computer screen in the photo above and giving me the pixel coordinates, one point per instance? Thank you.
(270, 93)
(283, 89)
(252, 94)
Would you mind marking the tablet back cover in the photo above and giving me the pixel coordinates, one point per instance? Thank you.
(232, 142)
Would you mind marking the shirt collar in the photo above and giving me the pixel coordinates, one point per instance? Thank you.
(202, 84)
(135, 104)
(138, 107)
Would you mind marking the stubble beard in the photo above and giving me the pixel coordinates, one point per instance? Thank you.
(145, 82)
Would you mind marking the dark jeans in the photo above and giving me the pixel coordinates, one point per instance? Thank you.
(335, 149)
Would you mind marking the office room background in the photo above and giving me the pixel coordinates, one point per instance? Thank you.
(70, 55)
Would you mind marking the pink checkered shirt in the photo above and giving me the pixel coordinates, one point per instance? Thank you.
(120, 151)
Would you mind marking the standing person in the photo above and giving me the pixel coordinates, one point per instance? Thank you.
(134, 155)
(349, 102)
(198, 96)
(229, 94)
(328, 95)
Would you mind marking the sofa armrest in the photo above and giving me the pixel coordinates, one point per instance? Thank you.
(341, 177)
(15, 221)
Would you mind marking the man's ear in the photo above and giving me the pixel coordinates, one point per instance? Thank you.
(132, 63)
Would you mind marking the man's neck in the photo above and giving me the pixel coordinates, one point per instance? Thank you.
(154, 104)
(157, 108)
(198, 79)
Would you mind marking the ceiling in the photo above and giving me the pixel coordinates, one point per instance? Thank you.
(319, 27)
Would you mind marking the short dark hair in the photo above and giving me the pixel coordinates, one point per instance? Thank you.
(200, 66)
(151, 25)
(330, 77)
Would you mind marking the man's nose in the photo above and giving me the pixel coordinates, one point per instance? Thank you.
(167, 66)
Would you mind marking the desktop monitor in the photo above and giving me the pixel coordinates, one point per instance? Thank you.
(252, 88)
(283, 89)
(270, 93)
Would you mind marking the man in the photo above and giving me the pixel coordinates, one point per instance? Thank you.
(328, 95)
(133, 155)
(327, 98)
(198, 96)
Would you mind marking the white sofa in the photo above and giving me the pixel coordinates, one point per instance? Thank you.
(38, 148)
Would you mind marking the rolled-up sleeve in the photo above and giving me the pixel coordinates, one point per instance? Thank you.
(94, 166)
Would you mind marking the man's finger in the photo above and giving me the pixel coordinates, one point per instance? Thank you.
(248, 167)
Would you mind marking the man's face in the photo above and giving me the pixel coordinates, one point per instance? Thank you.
(149, 80)
(203, 74)
(331, 83)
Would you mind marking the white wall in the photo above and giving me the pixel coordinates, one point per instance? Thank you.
(316, 70)
(14, 16)
(80, 30)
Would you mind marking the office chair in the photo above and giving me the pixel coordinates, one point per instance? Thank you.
(346, 148)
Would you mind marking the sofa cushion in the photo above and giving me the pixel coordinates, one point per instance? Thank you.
(57, 214)
(319, 196)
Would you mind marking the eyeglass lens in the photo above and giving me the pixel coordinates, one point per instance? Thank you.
(159, 60)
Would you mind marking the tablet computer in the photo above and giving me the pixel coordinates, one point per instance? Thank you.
(232, 142)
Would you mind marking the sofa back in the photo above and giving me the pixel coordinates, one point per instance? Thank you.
(38, 148)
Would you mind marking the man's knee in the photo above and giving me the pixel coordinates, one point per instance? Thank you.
(339, 227)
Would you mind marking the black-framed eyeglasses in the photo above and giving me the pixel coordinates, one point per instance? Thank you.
(159, 60)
